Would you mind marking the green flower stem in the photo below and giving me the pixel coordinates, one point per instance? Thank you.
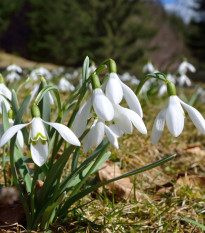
(57, 95)
(159, 76)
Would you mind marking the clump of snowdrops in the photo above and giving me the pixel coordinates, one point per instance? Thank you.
(96, 121)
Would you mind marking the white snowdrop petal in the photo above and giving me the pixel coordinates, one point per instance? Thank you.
(98, 133)
(5, 91)
(102, 106)
(122, 120)
(132, 100)
(191, 67)
(20, 138)
(174, 116)
(111, 137)
(162, 90)
(80, 121)
(87, 141)
(11, 132)
(188, 81)
(116, 130)
(7, 105)
(39, 152)
(137, 121)
(65, 132)
(113, 89)
(158, 126)
(38, 130)
(195, 116)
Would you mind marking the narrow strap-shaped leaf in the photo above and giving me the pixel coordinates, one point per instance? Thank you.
(88, 190)
(103, 146)
(90, 169)
(53, 174)
(14, 102)
(22, 109)
(44, 106)
(22, 167)
(193, 222)
(75, 159)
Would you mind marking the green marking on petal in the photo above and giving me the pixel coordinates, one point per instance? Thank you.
(39, 135)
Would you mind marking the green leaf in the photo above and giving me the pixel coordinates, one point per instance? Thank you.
(90, 169)
(193, 222)
(45, 106)
(14, 102)
(22, 167)
(102, 147)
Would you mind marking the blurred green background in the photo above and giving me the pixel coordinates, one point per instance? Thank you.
(63, 32)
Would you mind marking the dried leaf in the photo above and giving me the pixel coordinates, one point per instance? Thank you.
(191, 181)
(195, 149)
(122, 189)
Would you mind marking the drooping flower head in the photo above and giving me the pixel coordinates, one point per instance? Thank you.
(38, 137)
(173, 115)
(98, 104)
(115, 90)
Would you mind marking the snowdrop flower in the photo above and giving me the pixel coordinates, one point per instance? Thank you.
(5, 94)
(99, 103)
(184, 80)
(185, 66)
(38, 137)
(40, 72)
(173, 115)
(116, 90)
(148, 68)
(58, 72)
(12, 77)
(14, 68)
(162, 90)
(134, 81)
(171, 78)
(96, 134)
(125, 77)
(64, 85)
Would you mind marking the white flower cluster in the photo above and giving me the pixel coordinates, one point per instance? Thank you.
(110, 118)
